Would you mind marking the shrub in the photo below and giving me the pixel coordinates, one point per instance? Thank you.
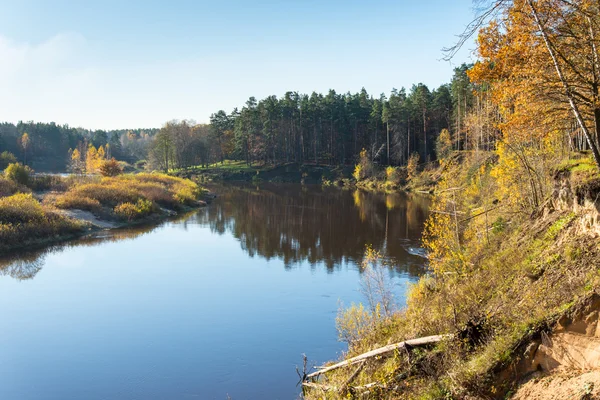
(163, 179)
(7, 158)
(364, 168)
(130, 211)
(141, 164)
(185, 194)
(358, 173)
(111, 192)
(40, 183)
(498, 225)
(18, 173)
(20, 208)
(157, 193)
(72, 201)
(110, 168)
(77, 180)
(8, 187)
(107, 193)
(354, 323)
(23, 220)
(413, 166)
(393, 175)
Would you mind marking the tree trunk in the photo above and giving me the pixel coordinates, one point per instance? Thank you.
(388, 142)
(566, 86)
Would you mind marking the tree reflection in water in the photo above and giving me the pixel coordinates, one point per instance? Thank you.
(293, 223)
(25, 265)
(320, 225)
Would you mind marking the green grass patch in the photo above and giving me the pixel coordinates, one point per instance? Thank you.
(558, 226)
(578, 165)
(232, 166)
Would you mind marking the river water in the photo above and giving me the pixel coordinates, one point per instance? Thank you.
(220, 303)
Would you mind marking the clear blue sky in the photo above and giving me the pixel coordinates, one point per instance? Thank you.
(124, 64)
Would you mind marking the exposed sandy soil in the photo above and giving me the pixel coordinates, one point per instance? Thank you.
(89, 217)
(572, 384)
(566, 364)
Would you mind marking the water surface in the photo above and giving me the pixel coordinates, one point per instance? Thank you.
(221, 302)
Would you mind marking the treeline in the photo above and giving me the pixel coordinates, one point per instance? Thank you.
(46, 146)
(334, 128)
(328, 129)
(318, 128)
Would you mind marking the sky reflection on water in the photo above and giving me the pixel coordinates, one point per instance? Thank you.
(197, 307)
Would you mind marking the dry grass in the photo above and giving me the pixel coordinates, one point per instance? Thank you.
(72, 200)
(23, 220)
(8, 187)
(501, 284)
(123, 194)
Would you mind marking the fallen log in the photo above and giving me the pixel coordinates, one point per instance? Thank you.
(424, 341)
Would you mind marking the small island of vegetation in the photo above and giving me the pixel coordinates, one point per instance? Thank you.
(42, 209)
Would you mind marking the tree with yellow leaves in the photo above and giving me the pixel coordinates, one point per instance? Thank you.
(101, 154)
(25, 145)
(443, 145)
(93, 159)
(541, 57)
(77, 164)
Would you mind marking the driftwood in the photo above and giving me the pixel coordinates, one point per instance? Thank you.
(424, 341)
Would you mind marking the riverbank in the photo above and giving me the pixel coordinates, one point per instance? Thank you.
(71, 207)
(239, 171)
(380, 179)
(512, 287)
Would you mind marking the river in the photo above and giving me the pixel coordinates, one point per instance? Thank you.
(220, 303)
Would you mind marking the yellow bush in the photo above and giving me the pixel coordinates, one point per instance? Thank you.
(354, 323)
(364, 168)
(24, 220)
(358, 173)
(18, 173)
(130, 211)
(19, 208)
(413, 166)
(392, 175)
(185, 194)
(72, 200)
(107, 193)
(163, 179)
(127, 195)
